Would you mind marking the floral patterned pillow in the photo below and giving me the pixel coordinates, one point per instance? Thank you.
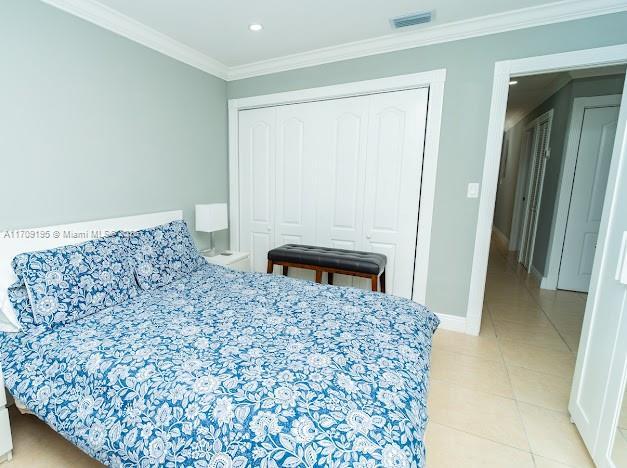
(67, 283)
(163, 254)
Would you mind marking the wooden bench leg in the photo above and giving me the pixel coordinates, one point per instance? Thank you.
(382, 281)
(374, 279)
(285, 270)
(330, 278)
(270, 266)
(318, 276)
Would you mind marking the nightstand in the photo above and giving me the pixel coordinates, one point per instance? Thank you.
(234, 260)
(6, 443)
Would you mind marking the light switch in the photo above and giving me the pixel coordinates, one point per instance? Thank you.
(473, 190)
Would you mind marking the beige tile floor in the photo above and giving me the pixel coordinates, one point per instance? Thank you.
(497, 400)
(501, 399)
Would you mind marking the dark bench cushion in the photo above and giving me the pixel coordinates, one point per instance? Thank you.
(350, 260)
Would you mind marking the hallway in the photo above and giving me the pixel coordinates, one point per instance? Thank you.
(514, 296)
(502, 398)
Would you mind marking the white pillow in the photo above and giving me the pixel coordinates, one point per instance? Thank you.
(8, 317)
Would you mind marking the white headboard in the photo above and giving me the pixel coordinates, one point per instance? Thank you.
(18, 241)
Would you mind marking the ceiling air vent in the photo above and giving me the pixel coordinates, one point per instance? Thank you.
(411, 20)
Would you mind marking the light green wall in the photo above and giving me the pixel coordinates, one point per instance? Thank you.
(93, 125)
(470, 66)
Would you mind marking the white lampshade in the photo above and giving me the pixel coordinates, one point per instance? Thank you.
(211, 218)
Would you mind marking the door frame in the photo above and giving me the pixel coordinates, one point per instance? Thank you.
(503, 72)
(518, 213)
(566, 181)
(434, 80)
(535, 123)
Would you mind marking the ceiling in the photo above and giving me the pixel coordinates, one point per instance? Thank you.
(531, 91)
(214, 36)
(220, 29)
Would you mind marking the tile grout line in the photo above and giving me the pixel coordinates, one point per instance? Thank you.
(448, 382)
(509, 379)
(507, 370)
(526, 287)
(484, 438)
(535, 299)
(522, 422)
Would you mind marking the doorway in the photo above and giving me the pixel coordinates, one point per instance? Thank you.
(599, 376)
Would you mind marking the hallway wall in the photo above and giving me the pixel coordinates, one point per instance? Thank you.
(561, 102)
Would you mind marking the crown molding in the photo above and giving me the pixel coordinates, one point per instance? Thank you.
(108, 18)
(116, 22)
(481, 26)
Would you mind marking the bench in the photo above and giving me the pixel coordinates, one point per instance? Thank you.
(323, 259)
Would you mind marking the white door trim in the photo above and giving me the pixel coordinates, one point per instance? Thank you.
(434, 80)
(566, 182)
(503, 71)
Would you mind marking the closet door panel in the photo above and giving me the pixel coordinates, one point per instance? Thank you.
(345, 171)
(341, 177)
(392, 190)
(297, 147)
(257, 129)
(341, 172)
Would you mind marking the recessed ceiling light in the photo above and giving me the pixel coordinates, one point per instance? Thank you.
(255, 27)
(513, 82)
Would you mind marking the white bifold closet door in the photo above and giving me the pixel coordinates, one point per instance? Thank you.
(534, 195)
(340, 173)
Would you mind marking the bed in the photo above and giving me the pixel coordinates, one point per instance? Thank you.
(229, 369)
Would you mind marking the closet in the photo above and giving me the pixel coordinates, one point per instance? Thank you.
(342, 173)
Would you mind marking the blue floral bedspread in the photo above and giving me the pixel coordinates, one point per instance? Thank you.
(229, 369)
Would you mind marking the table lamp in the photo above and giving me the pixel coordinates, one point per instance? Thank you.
(211, 218)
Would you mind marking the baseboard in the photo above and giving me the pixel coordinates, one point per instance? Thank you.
(548, 283)
(536, 274)
(501, 237)
(452, 322)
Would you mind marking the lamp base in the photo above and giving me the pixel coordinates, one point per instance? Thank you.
(212, 252)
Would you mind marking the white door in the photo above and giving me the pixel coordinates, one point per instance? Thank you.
(296, 152)
(522, 182)
(341, 189)
(394, 169)
(542, 135)
(345, 173)
(257, 146)
(600, 372)
(586, 202)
